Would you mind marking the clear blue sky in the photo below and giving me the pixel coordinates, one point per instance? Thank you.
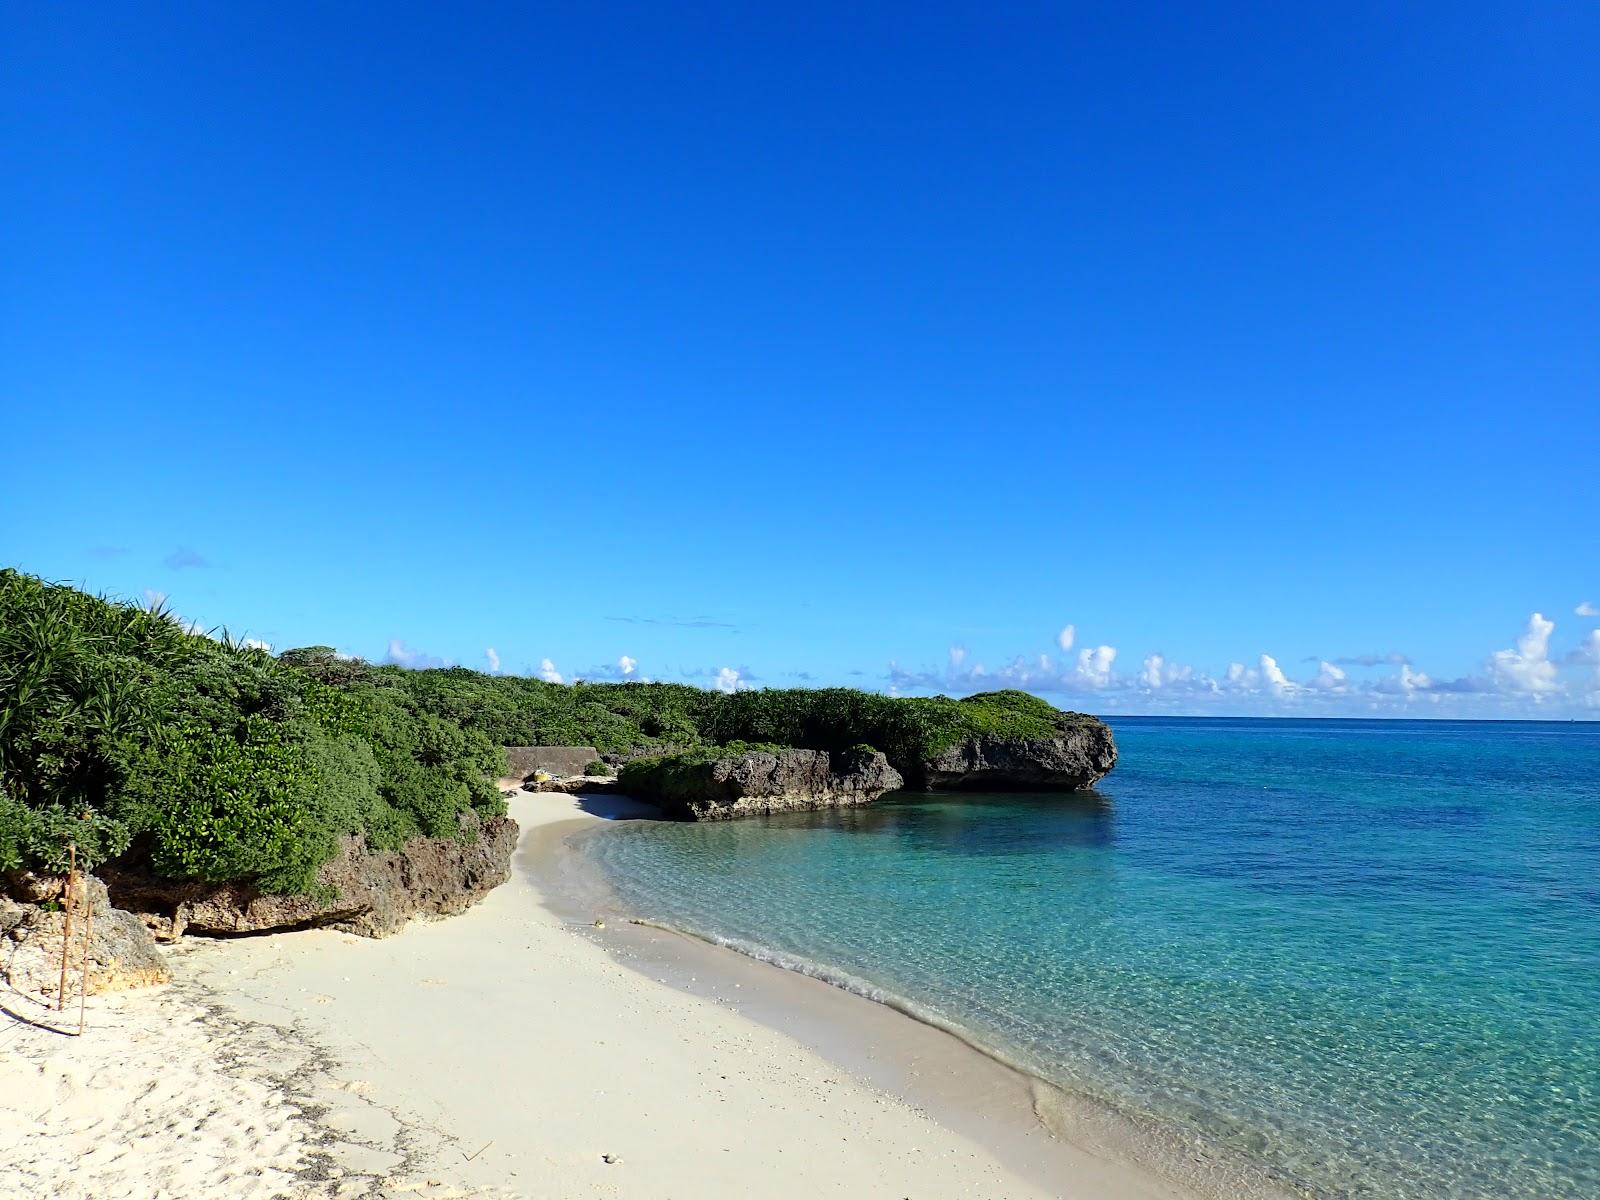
(807, 342)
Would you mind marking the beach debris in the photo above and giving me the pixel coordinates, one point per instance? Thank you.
(599, 923)
(612, 1159)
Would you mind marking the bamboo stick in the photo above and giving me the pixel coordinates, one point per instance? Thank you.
(66, 925)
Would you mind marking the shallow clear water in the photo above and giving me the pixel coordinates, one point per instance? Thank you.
(1366, 954)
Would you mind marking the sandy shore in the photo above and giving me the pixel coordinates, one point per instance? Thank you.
(509, 1052)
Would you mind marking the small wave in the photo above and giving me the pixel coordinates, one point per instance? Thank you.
(855, 985)
(1091, 1122)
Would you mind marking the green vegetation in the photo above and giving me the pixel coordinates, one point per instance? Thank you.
(128, 737)
(678, 775)
(124, 735)
(596, 768)
(629, 717)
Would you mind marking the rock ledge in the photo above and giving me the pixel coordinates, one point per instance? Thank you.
(755, 782)
(372, 894)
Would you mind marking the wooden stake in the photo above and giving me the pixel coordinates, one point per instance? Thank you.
(66, 926)
(88, 940)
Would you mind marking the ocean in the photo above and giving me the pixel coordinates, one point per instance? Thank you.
(1362, 955)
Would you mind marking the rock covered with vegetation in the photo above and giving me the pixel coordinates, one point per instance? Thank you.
(359, 890)
(129, 741)
(918, 734)
(1077, 758)
(716, 783)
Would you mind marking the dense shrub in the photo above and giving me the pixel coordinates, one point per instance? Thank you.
(125, 736)
(625, 717)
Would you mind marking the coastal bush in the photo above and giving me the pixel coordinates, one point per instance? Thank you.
(127, 737)
(678, 773)
(596, 768)
(643, 717)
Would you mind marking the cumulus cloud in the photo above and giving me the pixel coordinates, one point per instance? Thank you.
(958, 655)
(1273, 677)
(1068, 635)
(1586, 609)
(626, 666)
(1588, 652)
(727, 680)
(548, 672)
(1330, 677)
(1527, 677)
(1094, 665)
(403, 655)
(1414, 681)
(1150, 673)
(493, 656)
(1527, 669)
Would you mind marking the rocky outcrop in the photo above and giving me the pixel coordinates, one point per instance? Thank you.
(372, 894)
(1076, 759)
(523, 761)
(702, 788)
(121, 953)
(573, 786)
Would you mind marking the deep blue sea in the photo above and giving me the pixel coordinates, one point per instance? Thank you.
(1366, 954)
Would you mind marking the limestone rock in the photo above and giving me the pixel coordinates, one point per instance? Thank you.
(122, 953)
(574, 785)
(372, 894)
(1076, 759)
(523, 761)
(762, 781)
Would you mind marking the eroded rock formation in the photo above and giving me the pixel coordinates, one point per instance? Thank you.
(121, 953)
(1076, 759)
(372, 894)
(761, 781)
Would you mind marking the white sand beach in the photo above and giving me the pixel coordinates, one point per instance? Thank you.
(504, 1053)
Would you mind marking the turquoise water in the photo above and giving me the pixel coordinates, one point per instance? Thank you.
(1364, 954)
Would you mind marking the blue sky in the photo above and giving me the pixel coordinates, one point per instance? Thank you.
(849, 344)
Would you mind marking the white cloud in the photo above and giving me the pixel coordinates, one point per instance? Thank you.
(1151, 672)
(154, 599)
(403, 655)
(1330, 678)
(548, 672)
(1066, 637)
(1588, 651)
(493, 656)
(1094, 665)
(1586, 609)
(727, 680)
(1413, 681)
(1272, 675)
(626, 665)
(958, 655)
(1527, 670)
